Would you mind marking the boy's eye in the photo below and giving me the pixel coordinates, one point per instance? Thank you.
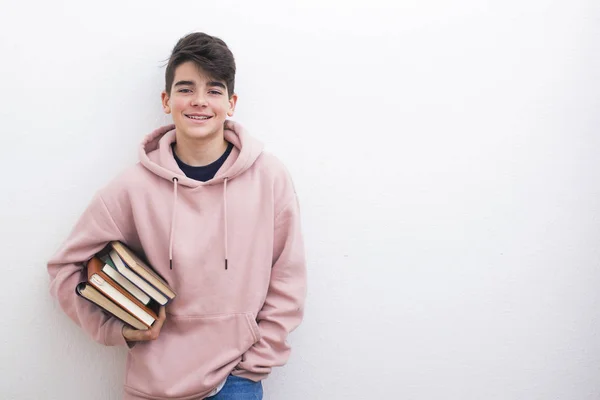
(184, 90)
(214, 92)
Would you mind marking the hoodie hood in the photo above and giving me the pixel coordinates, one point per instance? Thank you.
(156, 155)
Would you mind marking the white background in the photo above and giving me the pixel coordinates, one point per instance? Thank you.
(446, 158)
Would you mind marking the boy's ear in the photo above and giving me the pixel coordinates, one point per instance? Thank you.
(232, 103)
(164, 96)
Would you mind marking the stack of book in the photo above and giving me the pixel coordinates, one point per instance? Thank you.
(125, 286)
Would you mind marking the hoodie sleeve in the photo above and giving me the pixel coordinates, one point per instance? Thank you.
(92, 232)
(283, 309)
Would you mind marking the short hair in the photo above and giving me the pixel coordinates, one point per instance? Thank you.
(209, 53)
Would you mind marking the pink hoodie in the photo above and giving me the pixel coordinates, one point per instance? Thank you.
(238, 266)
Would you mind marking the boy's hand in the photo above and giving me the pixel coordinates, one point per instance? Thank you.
(134, 335)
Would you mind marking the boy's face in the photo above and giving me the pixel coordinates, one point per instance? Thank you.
(198, 104)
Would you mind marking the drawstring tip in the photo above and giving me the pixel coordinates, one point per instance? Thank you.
(170, 264)
(225, 263)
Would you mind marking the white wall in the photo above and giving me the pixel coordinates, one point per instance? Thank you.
(446, 158)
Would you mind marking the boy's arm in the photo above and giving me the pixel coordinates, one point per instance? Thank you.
(283, 309)
(92, 232)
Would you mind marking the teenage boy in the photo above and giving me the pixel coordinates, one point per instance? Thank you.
(218, 218)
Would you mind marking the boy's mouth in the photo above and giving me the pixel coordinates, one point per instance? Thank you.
(198, 117)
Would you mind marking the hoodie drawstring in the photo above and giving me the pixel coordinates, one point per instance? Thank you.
(225, 236)
(225, 217)
(175, 180)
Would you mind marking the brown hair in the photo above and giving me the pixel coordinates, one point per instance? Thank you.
(209, 53)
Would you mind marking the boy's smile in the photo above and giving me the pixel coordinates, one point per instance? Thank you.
(198, 117)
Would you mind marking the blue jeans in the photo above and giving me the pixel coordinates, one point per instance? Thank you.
(237, 388)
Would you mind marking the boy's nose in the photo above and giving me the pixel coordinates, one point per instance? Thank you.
(199, 100)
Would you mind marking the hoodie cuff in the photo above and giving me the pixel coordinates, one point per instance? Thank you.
(114, 333)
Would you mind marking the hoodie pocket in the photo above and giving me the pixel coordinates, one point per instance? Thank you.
(192, 355)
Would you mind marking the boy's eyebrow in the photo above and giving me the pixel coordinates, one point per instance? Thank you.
(218, 84)
(184, 83)
(192, 83)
